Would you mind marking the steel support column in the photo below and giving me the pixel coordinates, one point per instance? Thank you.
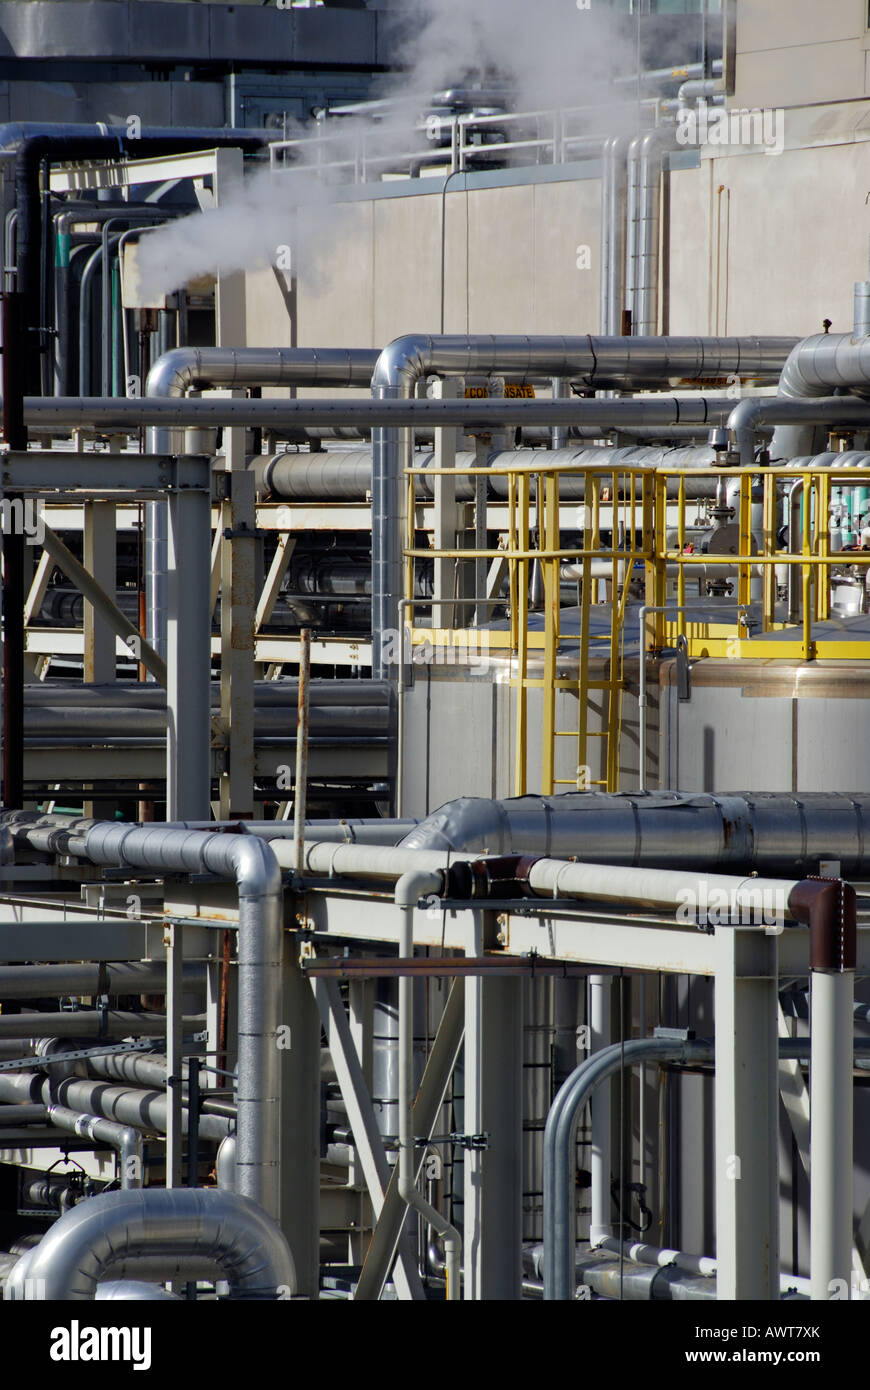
(363, 1123)
(100, 562)
(747, 1115)
(300, 1122)
(492, 1238)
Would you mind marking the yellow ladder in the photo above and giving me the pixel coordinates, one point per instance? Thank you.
(631, 497)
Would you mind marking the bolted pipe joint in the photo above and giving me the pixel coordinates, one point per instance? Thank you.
(829, 906)
(501, 876)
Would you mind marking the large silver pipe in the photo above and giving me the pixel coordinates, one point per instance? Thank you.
(818, 366)
(776, 832)
(801, 416)
(251, 863)
(85, 1023)
(129, 1106)
(832, 999)
(105, 724)
(613, 211)
(133, 1291)
(348, 474)
(197, 369)
(130, 694)
(94, 1239)
(653, 146)
(126, 977)
(473, 416)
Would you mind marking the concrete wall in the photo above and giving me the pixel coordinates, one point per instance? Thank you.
(800, 52)
(758, 244)
(370, 270)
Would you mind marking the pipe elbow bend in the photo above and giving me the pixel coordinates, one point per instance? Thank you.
(402, 359)
(173, 373)
(258, 873)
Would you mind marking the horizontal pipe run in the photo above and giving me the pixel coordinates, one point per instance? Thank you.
(772, 833)
(474, 416)
(90, 1023)
(134, 977)
(380, 968)
(124, 1139)
(142, 1109)
(660, 888)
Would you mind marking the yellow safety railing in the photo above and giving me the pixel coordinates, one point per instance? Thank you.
(755, 565)
(638, 508)
(534, 506)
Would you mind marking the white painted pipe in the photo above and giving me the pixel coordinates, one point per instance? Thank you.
(832, 998)
(750, 900)
(600, 1117)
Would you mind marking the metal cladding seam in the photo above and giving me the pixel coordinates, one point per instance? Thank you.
(774, 833)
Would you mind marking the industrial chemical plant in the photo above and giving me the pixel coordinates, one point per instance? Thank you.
(435, 511)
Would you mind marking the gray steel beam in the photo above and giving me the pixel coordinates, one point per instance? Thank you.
(94, 939)
(60, 472)
(100, 562)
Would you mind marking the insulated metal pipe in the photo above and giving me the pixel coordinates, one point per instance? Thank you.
(753, 413)
(473, 416)
(251, 863)
(93, 1239)
(126, 1140)
(832, 996)
(84, 1023)
(559, 1233)
(771, 832)
(653, 146)
(613, 205)
(348, 474)
(130, 1106)
(600, 1198)
(818, 366)
(126, 977)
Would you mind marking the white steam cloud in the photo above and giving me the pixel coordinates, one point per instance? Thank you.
(547, 54)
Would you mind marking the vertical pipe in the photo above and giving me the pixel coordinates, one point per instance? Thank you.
(301, 785)
(600, 1164)
(193, 1102)
(174, 1109)
(15, 437)
(390, 450)
(832, 1001)
(188, 656)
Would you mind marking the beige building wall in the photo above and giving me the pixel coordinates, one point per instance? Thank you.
(794, 52)
(756, 242)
